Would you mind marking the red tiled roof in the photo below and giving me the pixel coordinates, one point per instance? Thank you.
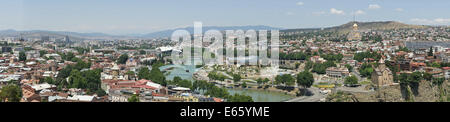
(217, 100)
(143, 86)
(142, 81)
(155, 94)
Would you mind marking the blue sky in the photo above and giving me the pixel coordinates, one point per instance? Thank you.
(144, 16)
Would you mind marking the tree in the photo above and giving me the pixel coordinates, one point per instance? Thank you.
(89, 80)
(436, 64)
(239, 98)
(438, 81)
(366, 70)
(81, 64)
(65, 72)
(405, 49)
(93, 79)
(309, 65)
(259, 81)
(215, 76)
(236, 77)
(68, 57)
(42, 52)
(200, 85)
(351, 80)
(412, 78)
(130, 73)
(350, 68)
(244, 85)
(100, 92)
(262, 81)
(144, 73)
(430, 52)
(404, 78)
(182, 83)
(77, 80)
(285, 79)
(297, 65)
(142, 52)
(332, 57)
(361, 56)
(48, 80)
(305, 79)
(266, 80)
(122, 59)
(11, 93)
(133, 98)
(22, 56)
(215, 91)
(416, 77)
(427, 76)
(157, 76)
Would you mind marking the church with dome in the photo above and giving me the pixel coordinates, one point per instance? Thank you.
(354, 35)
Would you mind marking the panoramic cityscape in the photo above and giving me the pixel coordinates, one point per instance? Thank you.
(230, 51)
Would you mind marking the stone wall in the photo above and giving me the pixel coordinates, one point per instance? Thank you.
(425, 92)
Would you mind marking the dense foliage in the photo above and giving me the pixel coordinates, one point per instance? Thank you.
(294, 56)
(351, 80)
(214, 91)
(22, 56)
(361, 56)
(321, 68)
(122, 59)
(285, 79)
(305, 79)
(11, 93)
(366, 70)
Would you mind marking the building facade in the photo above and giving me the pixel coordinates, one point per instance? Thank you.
(382, 75)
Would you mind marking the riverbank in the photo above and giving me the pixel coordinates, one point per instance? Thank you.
(270, 89)
(260, 95)
(269, 94)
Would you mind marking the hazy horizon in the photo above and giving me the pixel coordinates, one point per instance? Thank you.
(118, 17)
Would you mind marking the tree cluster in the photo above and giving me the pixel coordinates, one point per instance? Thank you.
(215, 91)
(321, 68)
(362, 55)
(11, 93)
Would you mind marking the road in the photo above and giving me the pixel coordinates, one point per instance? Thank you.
(356, 73)
(314, 98)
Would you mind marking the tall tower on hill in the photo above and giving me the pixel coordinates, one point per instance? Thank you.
(354, 35)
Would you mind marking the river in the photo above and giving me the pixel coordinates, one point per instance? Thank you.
(262, 95)
(180, 71)
(257, 95)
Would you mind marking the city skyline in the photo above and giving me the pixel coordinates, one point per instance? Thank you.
(138, 16)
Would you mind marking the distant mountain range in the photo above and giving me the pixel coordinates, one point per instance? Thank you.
(57, 34)
(102, 36)
(345, 28)
(168, 33)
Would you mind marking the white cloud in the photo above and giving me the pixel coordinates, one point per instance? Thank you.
(359, 12)
(437, 21)
(441, 20)
(300, 3)
(374, 6)
(336, 11)
(399, 9)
